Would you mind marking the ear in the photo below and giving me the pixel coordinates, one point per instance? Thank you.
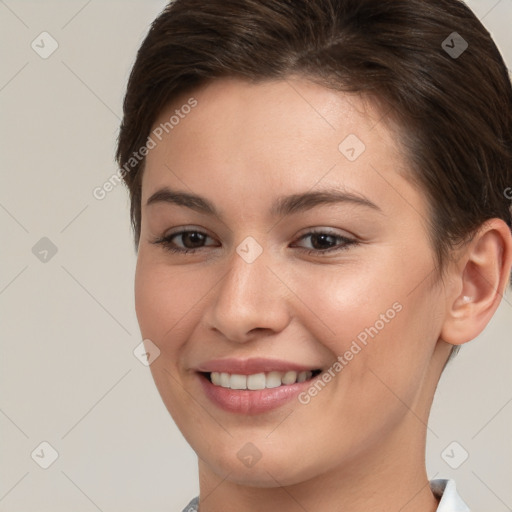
(479, 279)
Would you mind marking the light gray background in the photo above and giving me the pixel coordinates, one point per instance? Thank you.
(68, 327)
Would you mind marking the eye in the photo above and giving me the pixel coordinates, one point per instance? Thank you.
(190, 241)
(323, 241)
(184, 242)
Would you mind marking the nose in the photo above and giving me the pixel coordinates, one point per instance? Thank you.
(250, 301)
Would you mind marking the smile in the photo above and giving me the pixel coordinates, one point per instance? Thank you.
(254, 386)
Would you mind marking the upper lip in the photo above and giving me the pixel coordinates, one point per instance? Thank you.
(251, 366)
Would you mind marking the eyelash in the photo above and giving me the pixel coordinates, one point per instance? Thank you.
(166, 242)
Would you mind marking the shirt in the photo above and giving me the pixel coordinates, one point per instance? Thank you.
(450, 501)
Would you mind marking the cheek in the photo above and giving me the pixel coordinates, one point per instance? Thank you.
(345, 300)
(375, 324)
(168, 300)
(164, 301)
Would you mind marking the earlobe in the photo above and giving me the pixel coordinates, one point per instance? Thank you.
(481, 276)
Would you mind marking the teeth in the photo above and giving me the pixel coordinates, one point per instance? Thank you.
(238, 381)
(302, 377)
(259, 380)
(273, 380)
(256, 381)
(289, 378)
(224, 380)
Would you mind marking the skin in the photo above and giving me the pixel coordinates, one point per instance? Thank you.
(241, 148)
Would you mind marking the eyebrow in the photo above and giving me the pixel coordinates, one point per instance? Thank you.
(283, 206)
(300, 202)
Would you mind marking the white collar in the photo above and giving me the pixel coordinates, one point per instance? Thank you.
(450, 499)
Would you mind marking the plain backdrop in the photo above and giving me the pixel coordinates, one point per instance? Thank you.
(68, 375)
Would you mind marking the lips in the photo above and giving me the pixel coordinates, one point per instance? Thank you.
(254, 386)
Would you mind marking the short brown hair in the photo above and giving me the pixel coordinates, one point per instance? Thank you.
(454, 111)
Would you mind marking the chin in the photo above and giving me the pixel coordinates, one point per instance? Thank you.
(270, 471)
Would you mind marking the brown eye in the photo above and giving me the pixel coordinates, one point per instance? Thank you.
(322, 242)
(191, 239)
(184, 241)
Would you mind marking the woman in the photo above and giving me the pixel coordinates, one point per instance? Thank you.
(319, 201)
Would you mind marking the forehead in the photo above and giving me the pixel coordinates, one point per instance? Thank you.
(250, 140)
(291, 113)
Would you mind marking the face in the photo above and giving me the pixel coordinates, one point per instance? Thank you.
(283, 251)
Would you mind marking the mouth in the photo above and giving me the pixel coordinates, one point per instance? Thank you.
(254, 386)
(259, 381)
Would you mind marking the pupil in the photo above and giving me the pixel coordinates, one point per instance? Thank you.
(193, 239)
(326, 241)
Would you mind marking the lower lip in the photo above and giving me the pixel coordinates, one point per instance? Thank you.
(245, 401)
